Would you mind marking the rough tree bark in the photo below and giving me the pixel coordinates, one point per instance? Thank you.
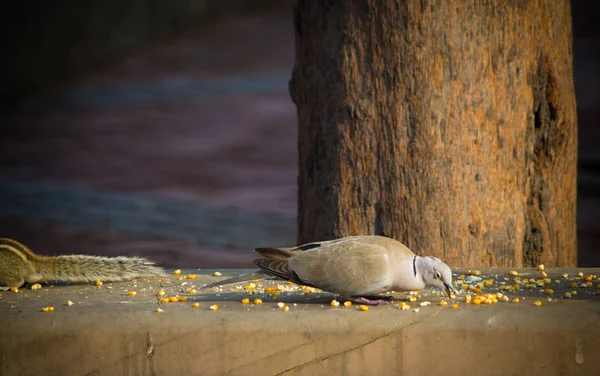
(448, 125)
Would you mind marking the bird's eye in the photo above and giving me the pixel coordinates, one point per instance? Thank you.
(437, 275)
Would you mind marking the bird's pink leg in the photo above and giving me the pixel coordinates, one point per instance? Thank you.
(372, 299)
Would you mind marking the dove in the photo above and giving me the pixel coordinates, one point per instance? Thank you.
(359, 268)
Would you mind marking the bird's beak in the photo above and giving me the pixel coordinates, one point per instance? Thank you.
(450, 290)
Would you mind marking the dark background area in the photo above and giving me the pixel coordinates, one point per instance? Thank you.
(165, 129)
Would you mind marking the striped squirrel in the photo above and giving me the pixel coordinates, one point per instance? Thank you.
(18, 264)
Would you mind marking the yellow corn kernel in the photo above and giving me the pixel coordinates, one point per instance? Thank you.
(216, 274)
(540, 267)
(192, 291)
(466, 287)
(411, 298)
(286, 308)
(245, 301)
(290, 282)
(70, 303)
(98, 283)
(565, 275)
(544, 275)
(214, 307)
(347, 303)
(48, 309)
(598, 286)
(274, 294)
(587, 278)
(280, 288)
(548, 291)
(513, 272)
(573, 284)
(477, 290)
(37, 286)
(455, 305)
(462, 277)
(257, 301)
(443, 303)
(547, 281)
(165, 300)
(504, 298)
(537, 303)
(580, 274)
(191, 276)
(182, 299)
(180, 278)
(487, 301)
(468, 298)
(280, 304)
(403, 306)
(177, 271)
(255, 280)
(269, 289)
(196, 305)
(131, 293)
(173, 299)
(476, 301)
(474, 272)
(334, 303)
(363, 307)
(14, 289)
(158, 310)
(161, 293)
(516, 300)
(573, 292)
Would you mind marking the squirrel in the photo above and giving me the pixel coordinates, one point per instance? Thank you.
(18, 264)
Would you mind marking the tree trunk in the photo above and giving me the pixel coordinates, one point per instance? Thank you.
(445, 124)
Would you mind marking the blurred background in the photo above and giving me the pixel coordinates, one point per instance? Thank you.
(165, 128)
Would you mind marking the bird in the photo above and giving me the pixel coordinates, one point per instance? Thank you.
(359, 268)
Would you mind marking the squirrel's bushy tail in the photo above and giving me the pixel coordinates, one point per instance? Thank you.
(84, 268)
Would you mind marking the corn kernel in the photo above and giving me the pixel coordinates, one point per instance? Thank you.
(347, 303)
(98, 283)
(476, 301)
(455, 305)
(540, 267)
(165, 300)
(70, 303)
(48, 309)
(567, 295)
(182, 299)
(192, 291)
(474, 272)
(258, 301)
(274, 294)
(286, 308)
(573, 292)
(544, 275)
(516, 300)
(180, 278)
(334, 303)
(280, 304)
(468, 298)
(36, 286)
(131, 293)
(537, 303)
(214, 307)
(513, 272)
(488, 284)
(548, 291)
(173, 299)
(443, 303)
(245, 301)
(477, 290)
(158, 310)
(504, 298)
(14, 289)
(424, 304)
(196, 305)
(191, 276)
(573, 284)
(403, 306)
(161, 293)
(565, 275)
(587, 278)
(217, 274)
(580, 274)
(411, 298)
(363, 307)
(269, 289)
(177, 271)
(290, 282)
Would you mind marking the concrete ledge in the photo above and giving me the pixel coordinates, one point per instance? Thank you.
(108, 332)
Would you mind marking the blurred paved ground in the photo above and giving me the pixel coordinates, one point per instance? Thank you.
(186, 151)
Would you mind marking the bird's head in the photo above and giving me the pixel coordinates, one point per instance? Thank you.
(436, 273)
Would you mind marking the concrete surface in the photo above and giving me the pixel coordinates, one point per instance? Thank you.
(108, 332)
